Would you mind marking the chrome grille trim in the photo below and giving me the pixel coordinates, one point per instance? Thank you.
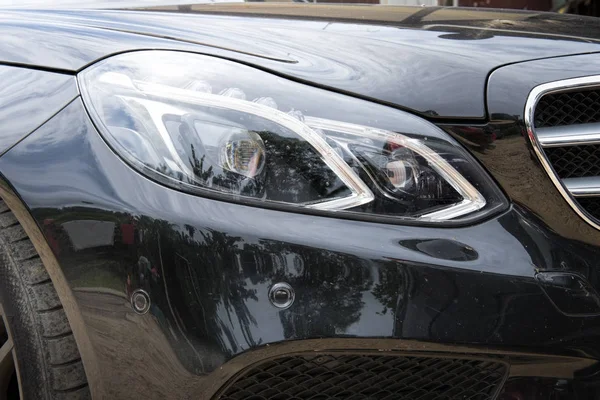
(583, 187)
(569, 135)
(534, 97)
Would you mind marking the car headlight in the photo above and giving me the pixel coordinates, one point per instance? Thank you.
(219, 128)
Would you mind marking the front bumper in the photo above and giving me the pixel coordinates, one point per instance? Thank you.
(207, 267)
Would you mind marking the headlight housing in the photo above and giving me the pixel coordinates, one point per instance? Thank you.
(220, 129)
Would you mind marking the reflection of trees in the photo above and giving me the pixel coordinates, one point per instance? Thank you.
(294, 172)
(203, 283)
(394, 288)
(329, 288)
(228, 283)
(198, 166)
(215, 275)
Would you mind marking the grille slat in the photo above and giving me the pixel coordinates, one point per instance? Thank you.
(567, 126)
(365, 376)
(583, 186)
(569, 135)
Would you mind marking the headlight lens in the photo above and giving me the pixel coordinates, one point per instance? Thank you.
(215, 127)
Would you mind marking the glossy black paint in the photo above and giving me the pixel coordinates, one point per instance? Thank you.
(28, 98)
(433, 61)
(561, 287)
(208, 266)
(509, 86)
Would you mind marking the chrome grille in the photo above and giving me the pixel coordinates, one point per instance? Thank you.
(563, 122)
(355, 376)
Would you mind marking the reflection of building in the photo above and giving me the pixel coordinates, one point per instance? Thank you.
(581, 7)
(410, 2)
(388, 2)
(543, 5)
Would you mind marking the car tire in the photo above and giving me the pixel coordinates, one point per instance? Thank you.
(45, 356)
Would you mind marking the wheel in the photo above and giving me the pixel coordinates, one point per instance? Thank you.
(39, 358)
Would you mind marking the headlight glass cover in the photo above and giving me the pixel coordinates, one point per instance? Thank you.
(221, 129)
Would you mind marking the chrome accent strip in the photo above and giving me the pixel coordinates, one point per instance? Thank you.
(534, 96)
(583, 187)
(569, 135)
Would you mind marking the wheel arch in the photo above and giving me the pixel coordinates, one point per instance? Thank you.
(65, 294)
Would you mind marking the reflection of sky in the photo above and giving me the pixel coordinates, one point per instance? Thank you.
(268, 326)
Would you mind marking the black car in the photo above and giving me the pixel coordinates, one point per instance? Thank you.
(292, 201)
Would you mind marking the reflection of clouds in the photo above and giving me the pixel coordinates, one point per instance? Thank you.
(400, 65)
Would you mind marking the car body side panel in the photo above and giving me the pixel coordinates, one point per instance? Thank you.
(208, 265)
(433, 62)
(28, 98)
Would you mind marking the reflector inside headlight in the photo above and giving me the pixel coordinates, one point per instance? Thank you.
(215, 127)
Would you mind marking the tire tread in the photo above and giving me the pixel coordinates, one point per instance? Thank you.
(65, 371)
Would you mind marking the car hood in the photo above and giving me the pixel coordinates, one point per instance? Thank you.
(431, 61)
